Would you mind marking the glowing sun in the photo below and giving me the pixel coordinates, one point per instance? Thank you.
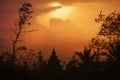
(61, 12)
(55, 4)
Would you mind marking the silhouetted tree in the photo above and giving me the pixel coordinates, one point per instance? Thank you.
(73, 65)
(86, 57)
(54, 68)
(41, 63)
(54, 62)
(72, 71)
(110, 33)
(107, 43)
(89, 63)
(110, 24)
(23, 20)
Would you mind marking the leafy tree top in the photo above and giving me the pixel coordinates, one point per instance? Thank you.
(110, 24)
(54, 61)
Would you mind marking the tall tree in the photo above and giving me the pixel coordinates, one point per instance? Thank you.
(20, 26)
(54, 68)
(110, 33)
(54, 62)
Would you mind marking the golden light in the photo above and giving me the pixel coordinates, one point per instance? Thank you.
(55, 4)
(61, 12)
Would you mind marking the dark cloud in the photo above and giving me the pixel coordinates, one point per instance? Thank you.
(47, 9)
(70, 1)
(73, 1)
(10, 6)
(43, 9)
(43, 1)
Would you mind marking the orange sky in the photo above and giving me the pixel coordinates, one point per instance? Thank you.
(67, 25)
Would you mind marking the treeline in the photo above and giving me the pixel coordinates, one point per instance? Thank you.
(87, 65)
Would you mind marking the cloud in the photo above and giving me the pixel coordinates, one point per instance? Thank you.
(65, 30)
(64, 35)
(8, 6)
(47, 9)
(73, 1)
(56, 22)
(41, 8)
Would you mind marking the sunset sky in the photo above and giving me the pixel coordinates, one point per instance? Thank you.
(66, 25)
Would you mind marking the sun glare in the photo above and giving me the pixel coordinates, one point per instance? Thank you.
(61, 12)
(55, 4)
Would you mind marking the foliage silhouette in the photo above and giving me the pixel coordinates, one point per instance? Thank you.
(110, 30)
(54, 62)
(41, 63)
(54, 67)
(20, 26)
(107, 42)
(86, 57)
(76, 69)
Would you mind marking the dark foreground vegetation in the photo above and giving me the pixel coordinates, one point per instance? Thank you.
(100, 61)
(85, 67)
